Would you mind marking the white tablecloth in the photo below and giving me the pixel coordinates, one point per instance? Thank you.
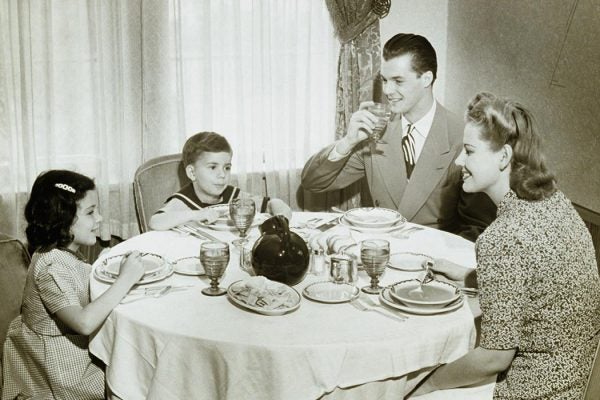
(189, 346)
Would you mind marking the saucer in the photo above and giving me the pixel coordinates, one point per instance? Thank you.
(331, 293)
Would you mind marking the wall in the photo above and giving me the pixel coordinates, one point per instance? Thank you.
(545, 54)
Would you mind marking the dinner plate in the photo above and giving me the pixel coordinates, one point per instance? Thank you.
(435, 294)
(188, 266)
(276, 299)
(103, 275)
(373, 217)
(399, 224)
(152, 263)
(223, 223)
(331, 293)
(408, 261)
(387, 299)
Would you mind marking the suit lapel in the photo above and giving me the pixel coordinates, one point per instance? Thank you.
(389, 161)
(430, 168)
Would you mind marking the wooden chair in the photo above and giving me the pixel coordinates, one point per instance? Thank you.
(160, 177)
(592, 390)
(14, 263)
(153, 182)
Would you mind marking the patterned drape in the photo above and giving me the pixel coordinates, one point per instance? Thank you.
(357, 28)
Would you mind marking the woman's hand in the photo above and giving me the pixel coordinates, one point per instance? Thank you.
(453, 272)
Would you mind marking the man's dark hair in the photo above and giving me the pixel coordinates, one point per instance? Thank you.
(423, 54)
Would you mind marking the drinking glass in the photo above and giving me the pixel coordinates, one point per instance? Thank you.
(241, 211)
(214, 257)
(374, 254)
(383, 113)
(342, 269)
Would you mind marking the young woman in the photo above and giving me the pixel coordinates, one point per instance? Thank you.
(536, 268)
(46, 349)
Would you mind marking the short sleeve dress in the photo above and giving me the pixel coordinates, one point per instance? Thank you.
(43, 358)
(539, 293)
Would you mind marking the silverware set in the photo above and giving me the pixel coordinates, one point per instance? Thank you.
(363, 303)
(195, 232)
(151, 292)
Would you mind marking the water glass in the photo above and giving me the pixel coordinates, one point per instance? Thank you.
(214, 257)
(375, 255)
(383, 113)
(241, 212)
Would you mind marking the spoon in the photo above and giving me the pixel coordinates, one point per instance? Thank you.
(428, 277)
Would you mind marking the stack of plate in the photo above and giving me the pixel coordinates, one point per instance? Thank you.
(435, 297)
(369, 219)
(156, 268)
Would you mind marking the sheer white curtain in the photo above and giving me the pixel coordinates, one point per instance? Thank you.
(102, 86)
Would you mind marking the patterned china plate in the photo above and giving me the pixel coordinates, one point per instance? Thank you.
(373, 217)
(386, 229)
(152, 263)
(188, 266)
(223, 223)
(408, 261)
(386, 298)
(279, 300)
(104, 275)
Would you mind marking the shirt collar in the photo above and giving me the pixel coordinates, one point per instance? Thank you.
(422, 126)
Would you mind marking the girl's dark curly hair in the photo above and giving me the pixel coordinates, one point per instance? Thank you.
(503, 121)
(52, 207)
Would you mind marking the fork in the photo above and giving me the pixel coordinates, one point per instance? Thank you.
(155, 295)
(359, 305)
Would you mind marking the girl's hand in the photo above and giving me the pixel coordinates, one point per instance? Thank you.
(207, 215)
(132, 267)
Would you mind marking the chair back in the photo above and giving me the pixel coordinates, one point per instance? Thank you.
(154, 181)
(14, 263)
(592, 390)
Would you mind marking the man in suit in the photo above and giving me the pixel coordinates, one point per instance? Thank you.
(411, 169)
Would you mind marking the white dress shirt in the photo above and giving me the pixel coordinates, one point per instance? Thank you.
(420, 130)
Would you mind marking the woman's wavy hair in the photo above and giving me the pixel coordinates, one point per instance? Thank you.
(503, 121)
(52, 208)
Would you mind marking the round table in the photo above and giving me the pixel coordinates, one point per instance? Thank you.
(188, 345)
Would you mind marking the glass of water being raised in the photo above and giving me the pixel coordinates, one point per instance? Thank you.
(374, 254)
(214, 257)
(242, 211)
(383, 113)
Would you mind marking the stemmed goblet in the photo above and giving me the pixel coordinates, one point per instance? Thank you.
(214, 257)
(383, 113)
(242, 211)
(374, 254)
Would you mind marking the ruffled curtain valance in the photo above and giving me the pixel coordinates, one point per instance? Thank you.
(351, 17)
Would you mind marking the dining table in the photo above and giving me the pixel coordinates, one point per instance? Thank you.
(186, 345)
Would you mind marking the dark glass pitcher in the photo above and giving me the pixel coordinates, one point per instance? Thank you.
(279, 254)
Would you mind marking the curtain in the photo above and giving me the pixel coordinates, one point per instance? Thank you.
(356, 25)
(100, 87)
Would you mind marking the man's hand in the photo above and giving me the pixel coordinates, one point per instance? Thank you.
(360, 127)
